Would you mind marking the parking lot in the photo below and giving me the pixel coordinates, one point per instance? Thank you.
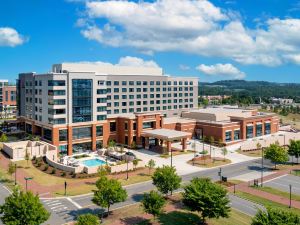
(282, 183)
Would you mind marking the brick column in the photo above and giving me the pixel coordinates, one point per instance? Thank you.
(183, 142)
(146, 143)
(94, 137)
(70, 143)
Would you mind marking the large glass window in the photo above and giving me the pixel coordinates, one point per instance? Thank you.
(56, 83)
(101, 117)
(63, 149)
(99, 131)
(56, 92)
(236, 134)
(228, 136)
(148, 125)
(82, 147)
(249, 131)
(82, 100)
(267, 128)
(47, 134)
(63, 135)
(81, 132)
(56, 101)
(258, 129)
(112, 126)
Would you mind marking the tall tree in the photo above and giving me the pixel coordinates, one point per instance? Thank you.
(109, 192)
(153, 203)
(276, 217)
(224, 152)
(23, 208)
(207, 198)
(87, 219)
(276, 154)
(166, 179)
(11, 168)
(294, 149)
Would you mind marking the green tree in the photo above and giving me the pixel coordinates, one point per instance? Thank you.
(276, 154)
(27, 156)
(294, 149)
(275, 217)
(109, 192)
(207, 198)
(23, 208)
(3, 138)
(151, 165)
(87, 219)
(224, 152)
(133, 145)
(135, 162)
(11, 168)
(153, 203)
(166, 179)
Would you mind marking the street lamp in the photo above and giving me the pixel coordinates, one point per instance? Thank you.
(127, 175)
(262, 166)
(27, 179)
(290, 205)
(194, 151)
(15, 174)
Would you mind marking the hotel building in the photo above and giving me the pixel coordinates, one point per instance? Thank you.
(79, 107)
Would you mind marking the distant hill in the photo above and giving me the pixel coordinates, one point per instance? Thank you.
(254, 89)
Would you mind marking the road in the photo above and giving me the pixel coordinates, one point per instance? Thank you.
(64, 210)
(4, 192)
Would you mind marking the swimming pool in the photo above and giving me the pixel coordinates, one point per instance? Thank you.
(93, 162)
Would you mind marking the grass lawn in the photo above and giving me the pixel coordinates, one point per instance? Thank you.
(278, 192)
(134, 215)
(293, 119)
(209, 163)
(265, 202)
(174, 153)
(255, 153)
(6, 179)
(296, 173)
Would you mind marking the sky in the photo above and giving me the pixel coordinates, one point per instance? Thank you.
(209, 39)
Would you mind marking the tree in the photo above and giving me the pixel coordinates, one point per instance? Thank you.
(153, 203)
(166, 179)
(276, 154)
(151, 165)
(133, 145)
(87, 219)
(294, 149)
(276, 217)
(27, 156)
(11, 168)
(3, 138)
(109, 192)
(206, 197)
(258, 146)
(135, 162)
(23, 208)
(224, 152)
(111, 144)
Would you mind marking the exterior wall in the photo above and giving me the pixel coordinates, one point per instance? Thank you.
(9, 96)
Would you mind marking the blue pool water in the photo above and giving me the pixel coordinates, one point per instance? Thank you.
(93, 162)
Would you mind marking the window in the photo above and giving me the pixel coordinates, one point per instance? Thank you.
(56, 83)
(56, 92)
(101, 91)
(63, 149)
(99, 131)
(228, 136)
(56, 111)
(116, 83)
(101, 117)
(148, 125)
(63, 135)
(57, 121)
(101, 109)
(47, 134)
(101, 100)
(124, 82)
(236, 135)
(101, 82)
(82, 100)
(249, 131)
(126, 126)
(116, 90)
(112, 126)
(267, 127)
(258, 129)
(81, 132)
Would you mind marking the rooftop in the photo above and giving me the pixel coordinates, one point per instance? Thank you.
(166, 134)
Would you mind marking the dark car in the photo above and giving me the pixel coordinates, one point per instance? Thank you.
(131, 154)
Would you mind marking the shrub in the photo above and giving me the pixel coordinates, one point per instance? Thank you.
(46, 167)
(63, 174)
(53, 171)
(39, 164)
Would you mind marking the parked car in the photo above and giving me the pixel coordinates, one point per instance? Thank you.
(131, 154)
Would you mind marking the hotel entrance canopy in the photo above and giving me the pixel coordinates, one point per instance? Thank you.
(166, 134)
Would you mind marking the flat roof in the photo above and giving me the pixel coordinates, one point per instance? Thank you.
(166, 134)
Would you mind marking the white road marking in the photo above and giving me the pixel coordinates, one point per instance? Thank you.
(74, 203)
(55, 204)
(59, 209)
(275, 178)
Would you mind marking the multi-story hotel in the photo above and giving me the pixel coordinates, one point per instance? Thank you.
(7, 99)
(81, 107)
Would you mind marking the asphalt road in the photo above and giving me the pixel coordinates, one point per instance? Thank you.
(282, 183)
(64, 210)
(3, 194)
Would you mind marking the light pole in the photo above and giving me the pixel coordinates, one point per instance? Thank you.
(15, 174)
(65, 188)
(194, 151)
(262, 166)
(127, 175)
(171, 158)
(27, 179)
(290, 205)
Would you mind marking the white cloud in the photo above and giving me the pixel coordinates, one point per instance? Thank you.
(10, 37)
(126, 61)
(184, 67)
(196, 27)
(222, 70)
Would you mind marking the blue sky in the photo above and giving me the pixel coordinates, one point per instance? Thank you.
(212, 40)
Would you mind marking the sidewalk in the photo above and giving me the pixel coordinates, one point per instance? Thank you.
(244, 187)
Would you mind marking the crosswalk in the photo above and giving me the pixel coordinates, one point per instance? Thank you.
(60, 208)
